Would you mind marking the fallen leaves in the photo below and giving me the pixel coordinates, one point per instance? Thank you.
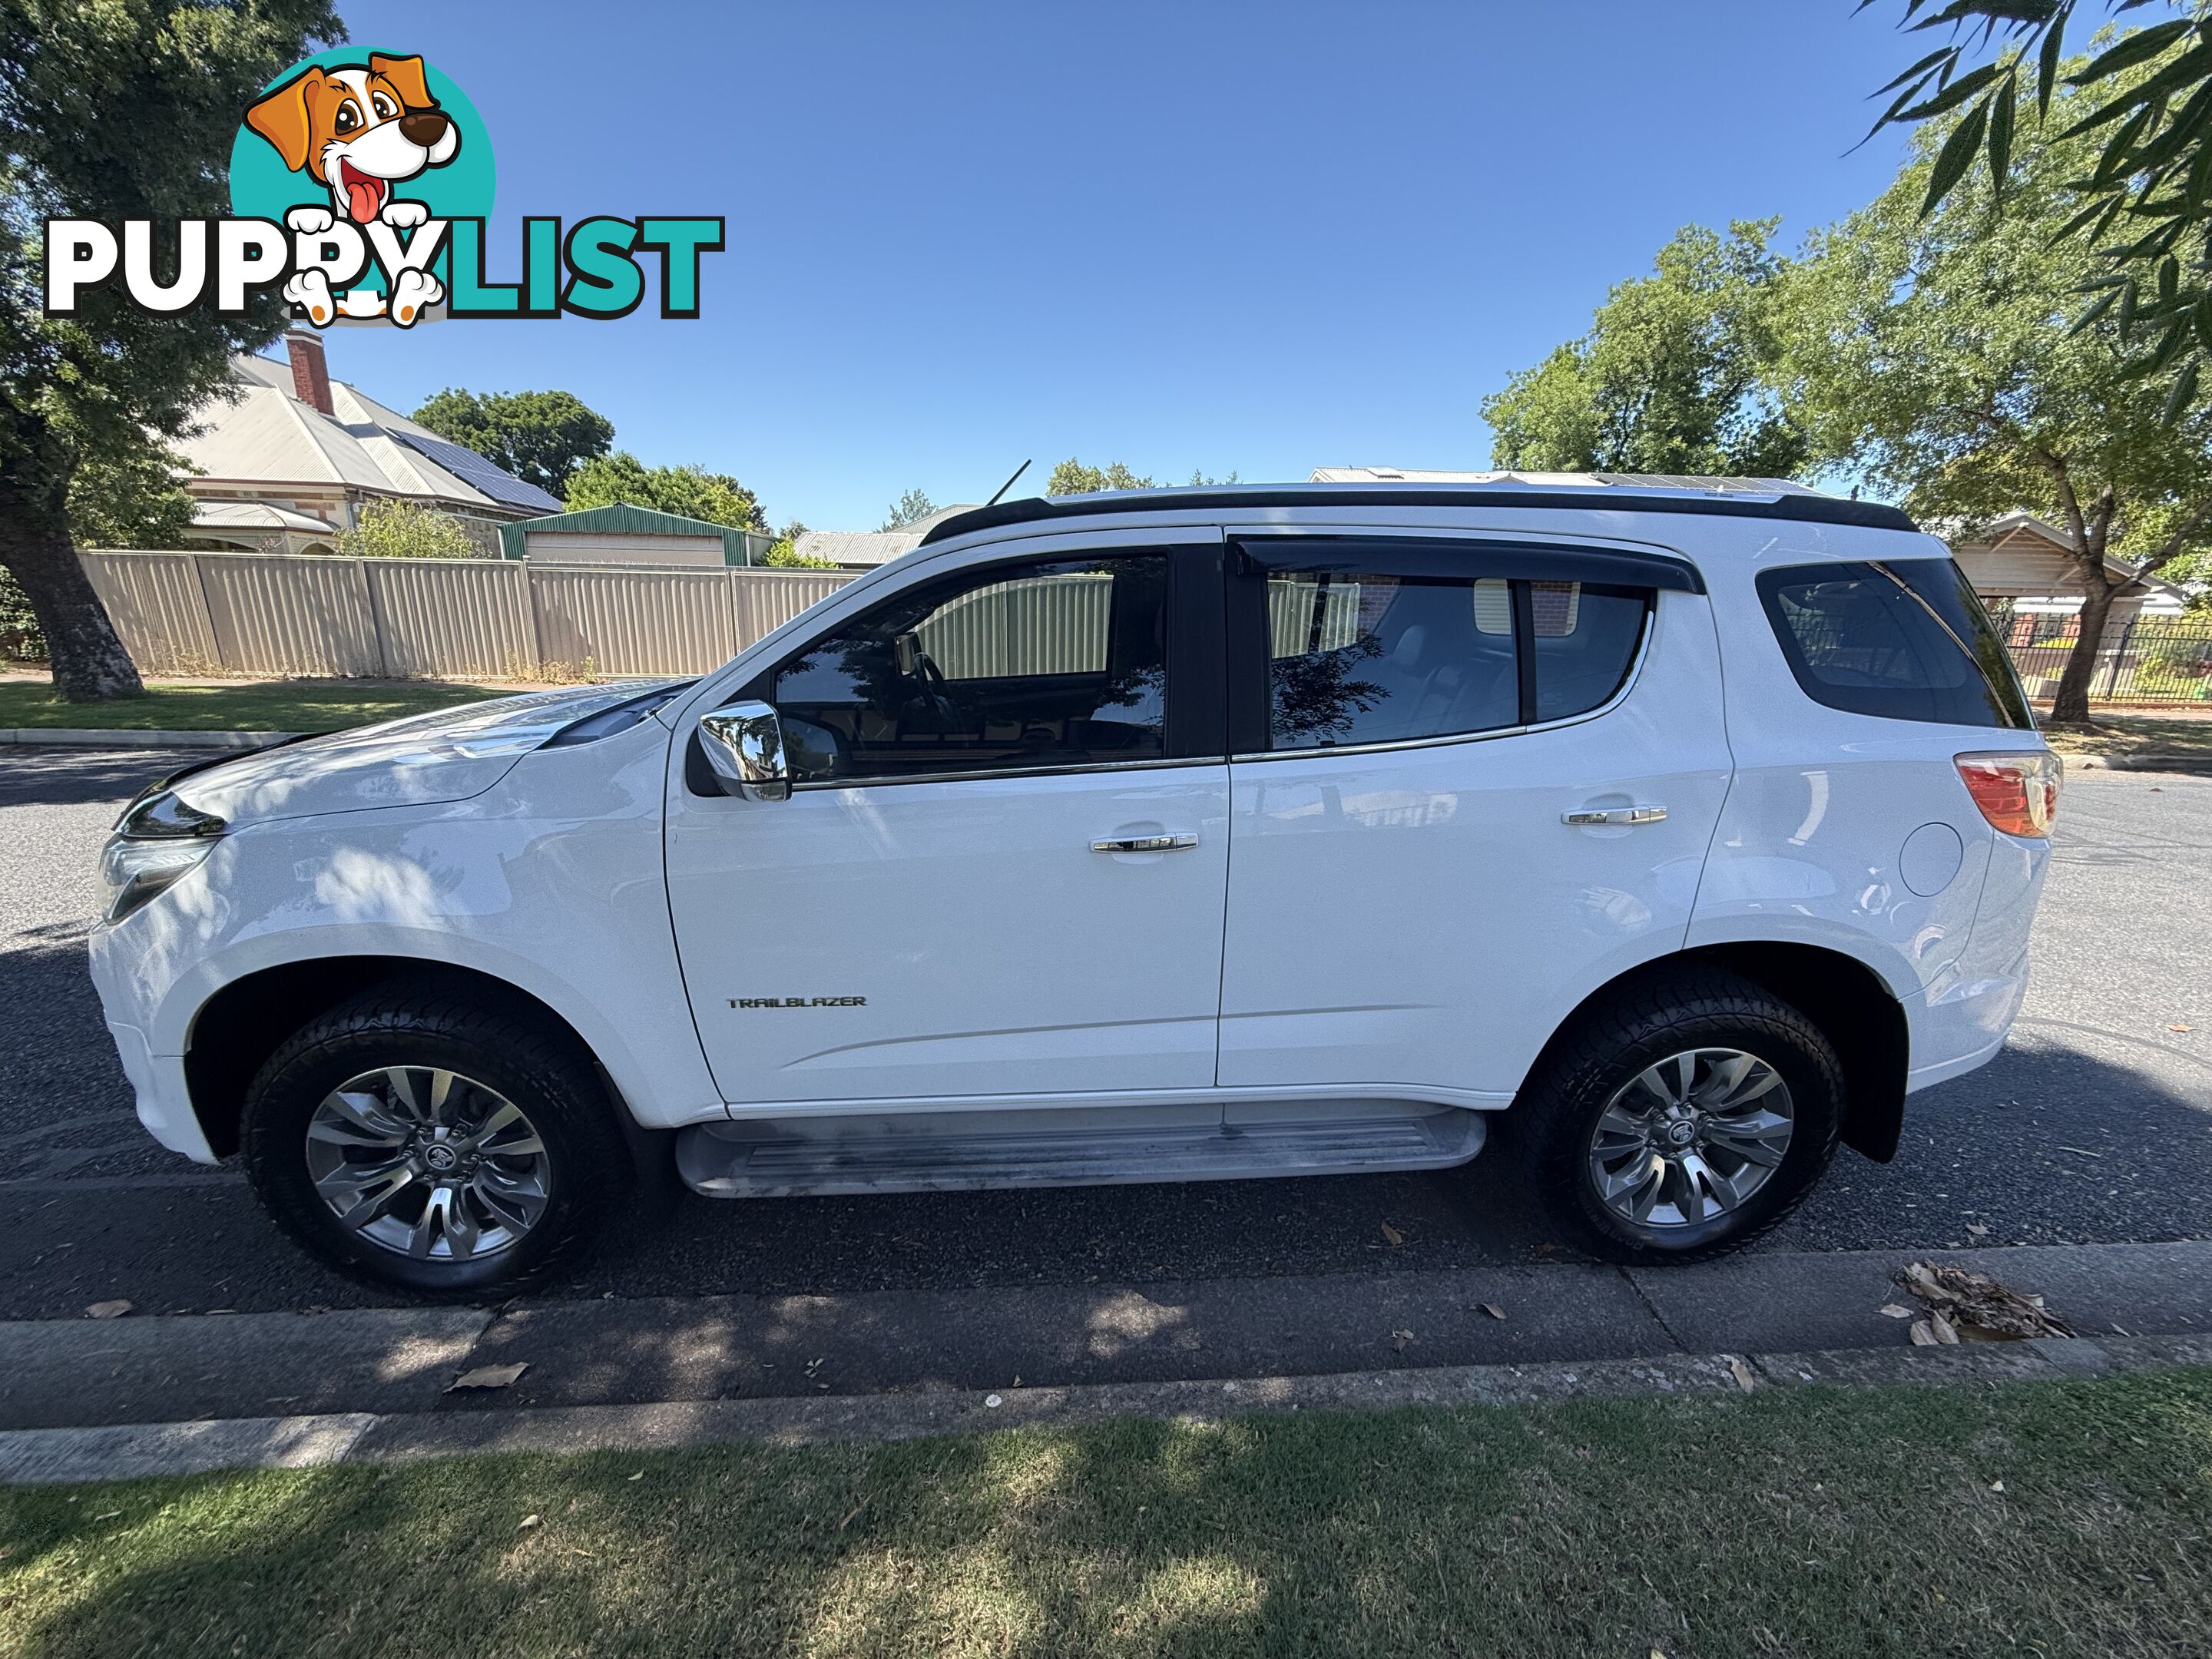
(1400, 1340)
(2181, 1028)
(525, 1523)
(1978, 1229)
(1974, 1307)
(1392, 1237)
(1494, 1311)
(107, 1310)
(1894, 1310)
(489, 1376)
(1742, 1372)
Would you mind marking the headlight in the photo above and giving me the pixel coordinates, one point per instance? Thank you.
(157, 840)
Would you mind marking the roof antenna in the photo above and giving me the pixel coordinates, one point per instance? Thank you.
(1008, 483)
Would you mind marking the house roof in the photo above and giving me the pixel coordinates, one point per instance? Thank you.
(858, 547)
(2020, 522)
(257, 515)
(623, 519)
(266, 435)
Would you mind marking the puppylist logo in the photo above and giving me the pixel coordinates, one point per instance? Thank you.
(361, 184)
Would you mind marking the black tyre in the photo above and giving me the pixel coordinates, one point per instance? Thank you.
(417, 1138)
(1681, 1119)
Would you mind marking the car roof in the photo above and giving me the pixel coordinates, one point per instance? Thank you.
(1763, 499)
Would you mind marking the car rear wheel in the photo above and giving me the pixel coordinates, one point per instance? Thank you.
(414, 1139)
(1681, 1119)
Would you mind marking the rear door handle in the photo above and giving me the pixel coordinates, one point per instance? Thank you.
(1144, 844)
(1614, 815)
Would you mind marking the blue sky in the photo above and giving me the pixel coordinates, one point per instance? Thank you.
(1231, 236)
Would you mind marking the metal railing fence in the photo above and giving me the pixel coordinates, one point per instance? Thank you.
(2140, 659)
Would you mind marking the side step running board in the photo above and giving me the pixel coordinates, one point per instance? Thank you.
(762, 1159)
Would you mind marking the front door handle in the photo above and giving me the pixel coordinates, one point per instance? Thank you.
(1614, 815)
(1144, 844)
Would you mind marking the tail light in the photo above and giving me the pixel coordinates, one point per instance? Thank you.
(2017, 793)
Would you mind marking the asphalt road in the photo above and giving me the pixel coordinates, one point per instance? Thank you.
(2093, 1126)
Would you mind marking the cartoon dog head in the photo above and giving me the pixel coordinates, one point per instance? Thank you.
(358, 130)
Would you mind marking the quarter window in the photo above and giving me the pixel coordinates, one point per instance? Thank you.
(1905, 639)
(1011, 668)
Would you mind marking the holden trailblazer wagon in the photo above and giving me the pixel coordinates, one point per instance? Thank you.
(1681, 829)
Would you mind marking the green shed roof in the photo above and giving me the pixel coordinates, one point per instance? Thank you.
(738, 546)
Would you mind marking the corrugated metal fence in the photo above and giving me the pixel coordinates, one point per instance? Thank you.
(248, 613)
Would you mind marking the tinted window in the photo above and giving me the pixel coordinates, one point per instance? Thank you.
(1585, 641)
(1906, 641)
(1010, 669)
(1356, 656)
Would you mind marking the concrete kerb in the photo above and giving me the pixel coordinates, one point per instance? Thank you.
(2186, 762)
(92, 738)
(49, 1456)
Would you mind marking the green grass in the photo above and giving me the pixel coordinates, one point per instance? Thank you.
(1801, 1522)
(257, 706)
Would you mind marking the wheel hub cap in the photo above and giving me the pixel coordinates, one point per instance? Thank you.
(428, 1163)
(1691, 1138)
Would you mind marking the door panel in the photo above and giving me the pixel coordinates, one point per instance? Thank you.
(930, 914)
(995, 952)
(1421, 915)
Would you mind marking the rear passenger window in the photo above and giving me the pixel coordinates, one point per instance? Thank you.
(1362, 655)
(1585, 639)
(1905, 640)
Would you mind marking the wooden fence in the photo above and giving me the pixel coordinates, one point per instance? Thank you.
(251, 613)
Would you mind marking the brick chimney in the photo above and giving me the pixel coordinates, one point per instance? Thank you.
(311, 376)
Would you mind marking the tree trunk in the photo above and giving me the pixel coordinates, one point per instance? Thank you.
(2071, 706)
(89, 663)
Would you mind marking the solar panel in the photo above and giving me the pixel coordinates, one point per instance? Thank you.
(472, 468)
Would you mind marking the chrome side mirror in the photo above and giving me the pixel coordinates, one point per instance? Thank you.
(744, 744)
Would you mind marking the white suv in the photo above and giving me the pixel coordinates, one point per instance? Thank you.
(1160, 837)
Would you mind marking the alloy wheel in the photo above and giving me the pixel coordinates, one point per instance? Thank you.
(1691, 1138)
(428, 1163)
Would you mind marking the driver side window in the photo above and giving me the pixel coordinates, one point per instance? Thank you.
(1010, 668)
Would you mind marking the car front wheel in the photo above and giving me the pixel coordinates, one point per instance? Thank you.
(1681, 1119)
(415, 1140)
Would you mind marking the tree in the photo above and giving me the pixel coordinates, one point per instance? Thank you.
(1072, 478)
(692, 491)
(130, 498)
(2148, 176)
(124, 110)
(405, 530)
(1933, 354)
(541, 437)
(910, 509)
(1670, 377)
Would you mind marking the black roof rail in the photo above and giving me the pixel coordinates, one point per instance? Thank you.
(1803, 508)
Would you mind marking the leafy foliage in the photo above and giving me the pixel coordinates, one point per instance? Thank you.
(1072, 478)
(22, 639)
(406, 530)
(784, 554)
(1671, 377)
(130, 498)
(1930, 351)
(910, 509)
(540, 437)
(121, 110)
(692, 491)
(2141, 194)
